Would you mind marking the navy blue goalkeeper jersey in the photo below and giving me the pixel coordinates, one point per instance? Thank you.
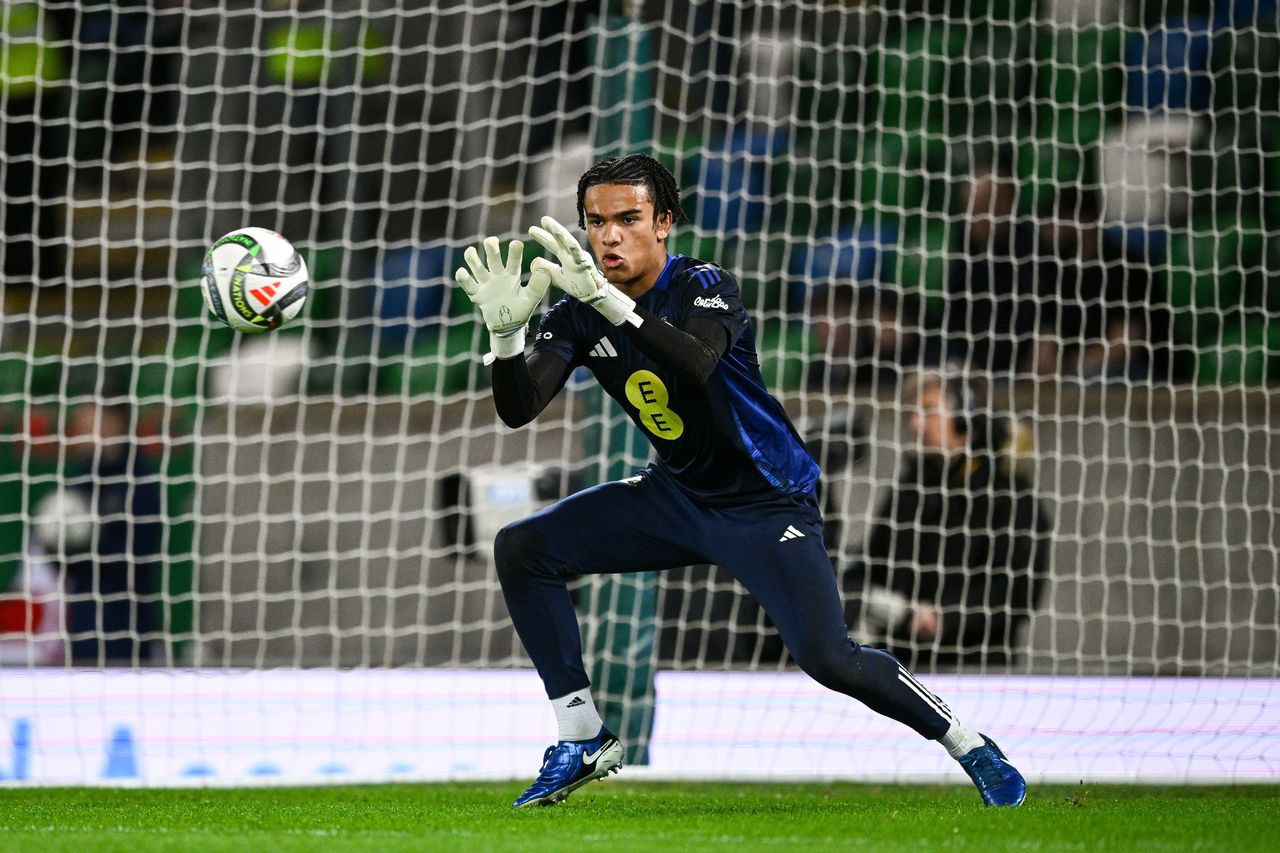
(725, 441)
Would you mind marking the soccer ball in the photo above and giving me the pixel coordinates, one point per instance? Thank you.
(254, 280)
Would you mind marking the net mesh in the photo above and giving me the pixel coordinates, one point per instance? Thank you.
(1070, 206)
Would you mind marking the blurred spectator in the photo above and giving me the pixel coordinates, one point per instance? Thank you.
(113, 574)
(990, 312)
(31, 616)
(867, 336)
(1100, 315)
(956, 559)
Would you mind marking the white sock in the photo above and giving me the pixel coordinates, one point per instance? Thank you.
(960, 739)
(576, 716)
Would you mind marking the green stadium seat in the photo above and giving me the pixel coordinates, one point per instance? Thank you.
(440, 363)
(921, 267)
(910, 75)
(889, 182)
(785, 348)
(1247, 353)
(1081, 84)
(1218, 293)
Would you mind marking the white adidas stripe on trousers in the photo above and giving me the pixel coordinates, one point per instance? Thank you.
(923, 692)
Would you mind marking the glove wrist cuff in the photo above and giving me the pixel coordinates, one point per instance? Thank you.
(505, 345)
(615, 306)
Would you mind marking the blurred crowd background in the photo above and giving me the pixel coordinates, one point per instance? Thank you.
(1091, 185)
(1078, 192)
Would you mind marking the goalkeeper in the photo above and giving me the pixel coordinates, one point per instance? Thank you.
(668, 338)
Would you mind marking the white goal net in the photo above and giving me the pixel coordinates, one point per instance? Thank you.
(1066, 211)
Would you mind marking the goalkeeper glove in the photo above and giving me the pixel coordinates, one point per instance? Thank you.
(577, 274)
(504, 303)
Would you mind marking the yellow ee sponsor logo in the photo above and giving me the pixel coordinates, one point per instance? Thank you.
(646, 392)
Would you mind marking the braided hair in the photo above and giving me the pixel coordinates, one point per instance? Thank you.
(636, 170)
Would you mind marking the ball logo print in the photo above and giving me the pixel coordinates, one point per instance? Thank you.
(263, 295)
(260, 275)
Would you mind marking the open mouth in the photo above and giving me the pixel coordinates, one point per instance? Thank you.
(611, 261)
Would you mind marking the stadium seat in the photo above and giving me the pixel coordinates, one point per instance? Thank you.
(1247, 353)
(1169, 66)
(909, 75)
(1080, 84)
(441, 361)
(172, 372)
(889, 182)
(850, 256)
(921, 263)
(1216, 289)
(990, 92)
(784, 348)
(1246, 71)
(410, 290)
(732, 179)
(1245, 14)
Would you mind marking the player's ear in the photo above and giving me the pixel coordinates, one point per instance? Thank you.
(664, 222)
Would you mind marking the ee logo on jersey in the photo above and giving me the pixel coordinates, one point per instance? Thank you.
(646, 392)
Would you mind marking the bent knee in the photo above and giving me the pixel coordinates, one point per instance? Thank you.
(517, 546)
(833, 665)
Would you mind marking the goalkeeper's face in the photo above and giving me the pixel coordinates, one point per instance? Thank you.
(627, 236)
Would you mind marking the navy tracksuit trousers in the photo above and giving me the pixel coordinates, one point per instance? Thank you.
(648, 523)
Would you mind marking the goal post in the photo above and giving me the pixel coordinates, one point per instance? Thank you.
(227, 559)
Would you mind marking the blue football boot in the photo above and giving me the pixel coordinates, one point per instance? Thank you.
(569, 765)
(998, 781)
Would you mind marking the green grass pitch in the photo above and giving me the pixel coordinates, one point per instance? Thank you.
(678, 818)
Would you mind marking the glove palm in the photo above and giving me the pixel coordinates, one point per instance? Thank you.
(495, 289)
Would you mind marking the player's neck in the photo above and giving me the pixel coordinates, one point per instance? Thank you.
(636, 289)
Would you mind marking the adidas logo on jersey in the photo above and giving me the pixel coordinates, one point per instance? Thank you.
(713, 302)
(791, 533)
(604, 349)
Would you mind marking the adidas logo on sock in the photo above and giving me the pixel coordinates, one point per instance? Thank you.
(791, 533)
(604, 349)
(577, 700)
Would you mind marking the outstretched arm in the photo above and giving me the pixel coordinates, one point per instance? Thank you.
(523, 387)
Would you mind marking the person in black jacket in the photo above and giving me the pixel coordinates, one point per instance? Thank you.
(957, 557)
